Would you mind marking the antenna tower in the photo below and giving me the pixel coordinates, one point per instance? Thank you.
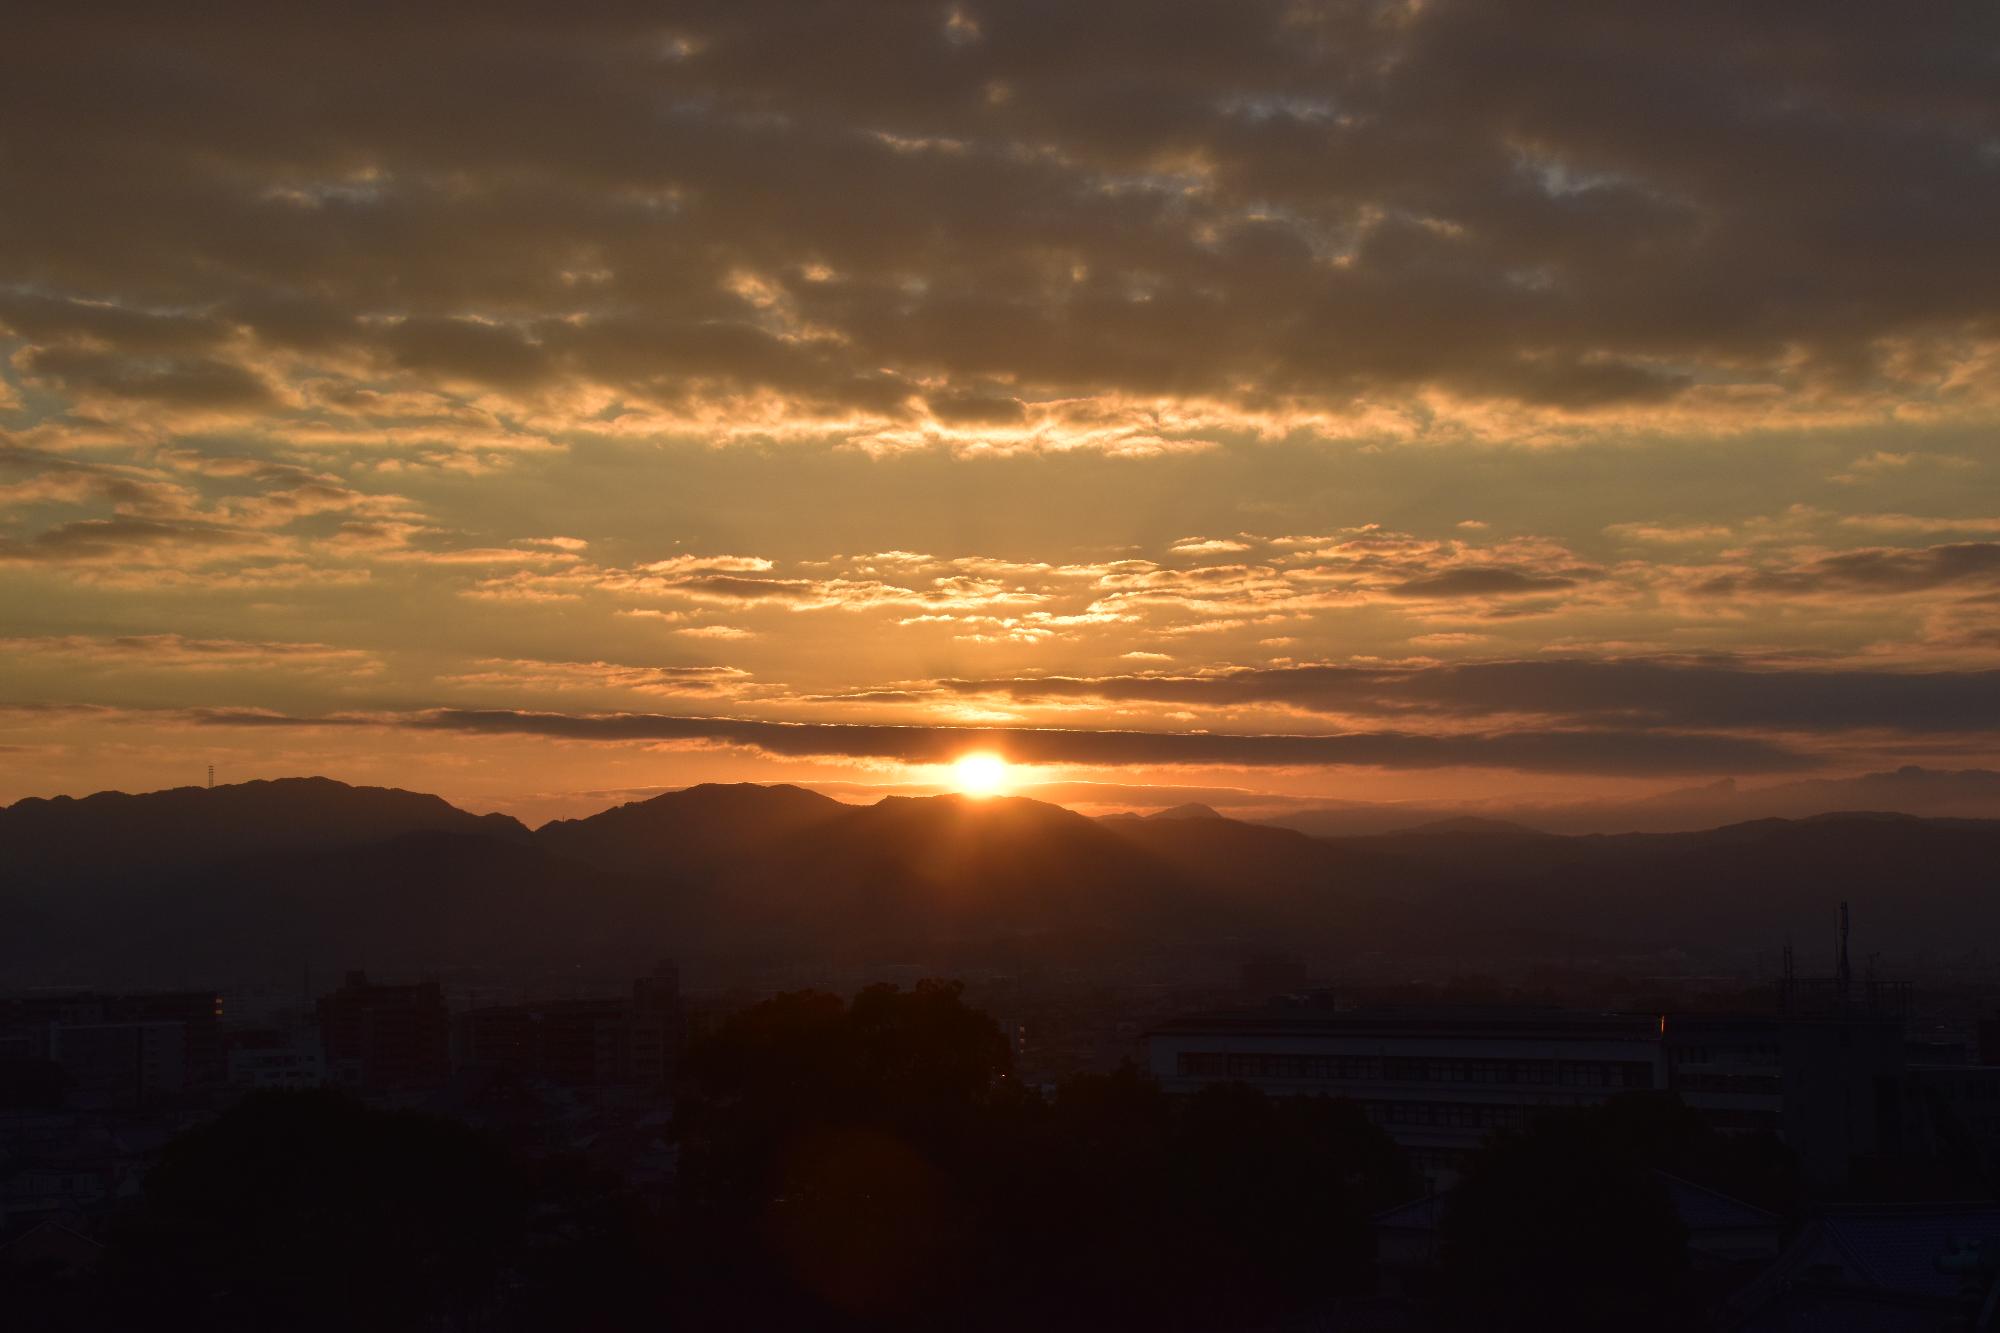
(1845, 972)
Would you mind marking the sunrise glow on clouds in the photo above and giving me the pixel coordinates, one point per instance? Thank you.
(1314, 399)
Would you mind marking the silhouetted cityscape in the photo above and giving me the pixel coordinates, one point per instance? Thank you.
(902, 666)
(1294, 1121)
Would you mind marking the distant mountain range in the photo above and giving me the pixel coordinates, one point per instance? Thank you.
(1971, 793)
(262, 878)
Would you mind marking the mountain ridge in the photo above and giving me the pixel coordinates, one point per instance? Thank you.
(782, 871)
(1972, 793)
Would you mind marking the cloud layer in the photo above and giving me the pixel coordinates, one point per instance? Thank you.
(1017, 221)
(1649, 754)
(1558, 387)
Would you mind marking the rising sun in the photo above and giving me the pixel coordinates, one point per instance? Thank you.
(982, 774)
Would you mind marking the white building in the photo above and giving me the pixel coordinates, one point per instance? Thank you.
(1438, 1082)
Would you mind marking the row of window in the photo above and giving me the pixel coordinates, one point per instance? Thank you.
(1760, 1053)
(1562, 1073)
(1400, 1069)
(1204, 1064)
(1766, 1084)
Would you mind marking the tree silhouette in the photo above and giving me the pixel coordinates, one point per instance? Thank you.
(1661, 1131)
(1289, 1183)
(872, 1165)
(835, 1156)
(1563, 1226)
(310, 1211)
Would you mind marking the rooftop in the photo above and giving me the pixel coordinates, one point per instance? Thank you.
(1325, 1019)
(1700, 1209)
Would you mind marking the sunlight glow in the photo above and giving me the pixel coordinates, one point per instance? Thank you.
(982, 774)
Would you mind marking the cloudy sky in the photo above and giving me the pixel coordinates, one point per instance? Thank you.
(1350, 400)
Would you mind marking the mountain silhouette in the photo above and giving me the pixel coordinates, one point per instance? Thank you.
(1505, 828)
(262, 878)
(915, 869)
(1971, 793)
(694, 831)
(112, 835)
(412, 903)
(1191, 810)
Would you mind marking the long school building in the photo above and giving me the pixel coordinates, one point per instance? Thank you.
(1439, 1082)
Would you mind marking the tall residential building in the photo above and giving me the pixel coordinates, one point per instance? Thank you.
(118, 1050)
(600, 1042)
(379, 1037)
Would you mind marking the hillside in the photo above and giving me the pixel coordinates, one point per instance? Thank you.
(1929, 793)
(267, 877)
(113, 835)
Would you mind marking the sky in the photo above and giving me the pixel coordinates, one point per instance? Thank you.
(539, 404)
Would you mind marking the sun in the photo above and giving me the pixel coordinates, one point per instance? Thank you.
(982, 774)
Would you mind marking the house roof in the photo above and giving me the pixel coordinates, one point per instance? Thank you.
(1700, 1209)
(1703, 1209)
(1865, 1266)
(1418, 1215)
(1444, 1023)
(1897, 1247)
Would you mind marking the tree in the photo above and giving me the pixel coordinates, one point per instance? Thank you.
(1217, 1210)
(1664, 1133)
(1562, 1226)
(1272, 1197)
(872, 1164)
(838, 1159)
(310, 1211)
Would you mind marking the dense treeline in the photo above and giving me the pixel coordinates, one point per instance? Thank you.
(873, 1165)
(309, 1211)
(873, 1162)
(1568, 1224)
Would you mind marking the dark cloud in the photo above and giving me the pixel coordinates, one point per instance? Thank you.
(467, 349)
(1570, 204)
(1480, 581)
(1636, 692)
(52, 477)
(737, 588)
(121, 538)
(1876, 570)
(1699, 695)
(44, 319)
(257, 719)
(975, 409)
(1632, 753)
(185, 382)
